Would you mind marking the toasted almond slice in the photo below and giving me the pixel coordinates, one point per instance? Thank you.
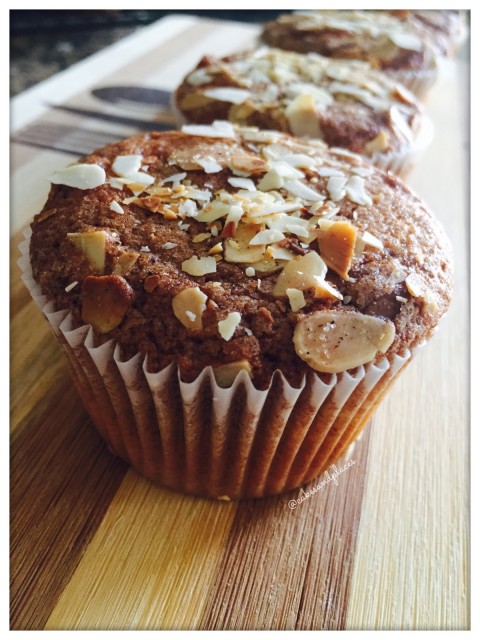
(105, 300)
(227, 327)
(199, 266)
(337, 246)
(247, 164)
(125, 262)
(80, 176)
(415, 285)
(225, 374)
(335, 341)
(268, 265)
(303, 272)
(188, 307)
(381, 142)
(92, 244)
(302, 117)
(296, 299)
(238, 249)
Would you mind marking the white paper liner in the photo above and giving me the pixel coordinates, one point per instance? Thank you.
(402, 162)
(203, 439)
(419, 82)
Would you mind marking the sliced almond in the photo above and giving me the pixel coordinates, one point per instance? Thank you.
(92, 245)
(332, 341)
(105, 300)
(415, 285)
(303, 272)
(337, 246)
(80, 176)
(381, 142)
(247, 164)
(302, 117)
(125, 262)
(227, 327)
(239, 249)
(199, 266)
(188, 307)
(296, 299)
(225, 374)
(194, 101)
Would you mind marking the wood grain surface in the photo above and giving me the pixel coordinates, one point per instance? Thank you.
(95, 546)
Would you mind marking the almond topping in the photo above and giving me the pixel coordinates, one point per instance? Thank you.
(225, 374)
(125, 262)
(296, 299)
(105, 300)
(80, 176)
(381, 142)
(332, 342)
(303, 273)
(199, 266)
(92, 244)
(188, 307)
(227, 327)
(239, 249)
(302, 117)
(337, 246)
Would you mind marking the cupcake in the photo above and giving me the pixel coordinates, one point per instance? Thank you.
(447, 28)
(401, 48)
(233, 303)
(344, 102)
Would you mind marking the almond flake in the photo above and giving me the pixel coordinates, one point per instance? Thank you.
(188, 307)
(169, 245)
(355, 189)
(415, 285)
(145, 249)
(267, 237)
(92, 245)
(209, 165)
(80, 176)
(406, 40)
(243, 183)
(296, 299)
(199, 266)
(303, 191)
(219, 129)
(71, 286)
(127, 165)
(177, 177)
(336, 187)
(225, 375)
(200, 237)
(227, 327)
(114, 206)
(250, 272)
(228, 94)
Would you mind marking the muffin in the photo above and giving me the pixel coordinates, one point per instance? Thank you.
(344, 102)
(233, 303)
(401, 48)
(447, 28)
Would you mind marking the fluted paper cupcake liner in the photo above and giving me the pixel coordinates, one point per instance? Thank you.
(419, 82)
(199, 438)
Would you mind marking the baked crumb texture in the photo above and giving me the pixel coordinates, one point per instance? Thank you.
(345, 103)
(244, 250)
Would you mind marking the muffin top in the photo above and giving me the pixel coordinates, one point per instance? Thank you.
(447, 28)
(378, 37)
(346, 103)
(241, 249)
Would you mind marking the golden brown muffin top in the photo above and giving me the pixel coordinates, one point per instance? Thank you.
(378, 37)
(344, 102)
(221, 245)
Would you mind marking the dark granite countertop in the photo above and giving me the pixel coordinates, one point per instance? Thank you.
(45, 42)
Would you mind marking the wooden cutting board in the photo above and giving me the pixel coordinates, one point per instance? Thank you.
(94, 546)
